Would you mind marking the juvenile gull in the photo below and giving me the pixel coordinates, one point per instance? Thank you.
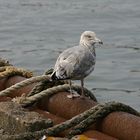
(77, 62)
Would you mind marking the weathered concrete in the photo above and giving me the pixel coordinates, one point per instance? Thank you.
(14, 119)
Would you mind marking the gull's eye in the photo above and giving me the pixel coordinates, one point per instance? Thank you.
(88, 36)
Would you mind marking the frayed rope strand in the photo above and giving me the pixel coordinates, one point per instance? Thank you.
(101, 113)
(47, 93)
(88, 118)
(23, 83)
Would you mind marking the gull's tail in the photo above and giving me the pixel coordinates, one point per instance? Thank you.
(53, 76)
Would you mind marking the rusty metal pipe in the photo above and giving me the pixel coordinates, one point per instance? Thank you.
(45, 114)
(121, 125)
(89, 133)
(98, 135)
(61, 105)
(118, 124)
(15, 79)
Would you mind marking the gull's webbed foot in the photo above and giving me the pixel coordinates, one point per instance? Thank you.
(73, 95)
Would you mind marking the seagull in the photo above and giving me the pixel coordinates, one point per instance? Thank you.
(77, 62)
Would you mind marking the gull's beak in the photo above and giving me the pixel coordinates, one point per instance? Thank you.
(101, 42)
(97, 40)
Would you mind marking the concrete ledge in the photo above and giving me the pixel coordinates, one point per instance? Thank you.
(36, 135)
(14, 120)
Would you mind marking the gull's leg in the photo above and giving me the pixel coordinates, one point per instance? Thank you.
(82, 88)
(70, 86)
(72, 94)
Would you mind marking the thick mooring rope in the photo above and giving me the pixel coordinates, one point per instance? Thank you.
(72, 122)
(38, 88)
(23, 83)
(89, 117)
(43, 85)
(46, 93)
(101, 113)
(7, 71)
(4, 62)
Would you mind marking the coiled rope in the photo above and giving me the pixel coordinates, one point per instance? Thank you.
(46, 93)
(7, 70)
(23, 83)
(4, 62)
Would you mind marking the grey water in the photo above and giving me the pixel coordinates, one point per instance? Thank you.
(34, 32)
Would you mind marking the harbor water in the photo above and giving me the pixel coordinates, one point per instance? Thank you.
(34, 32)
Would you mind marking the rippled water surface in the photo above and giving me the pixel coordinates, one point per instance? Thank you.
(34, 32)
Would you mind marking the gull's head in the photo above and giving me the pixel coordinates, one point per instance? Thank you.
(88, 38)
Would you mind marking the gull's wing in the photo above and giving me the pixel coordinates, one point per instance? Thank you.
(73, 62)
